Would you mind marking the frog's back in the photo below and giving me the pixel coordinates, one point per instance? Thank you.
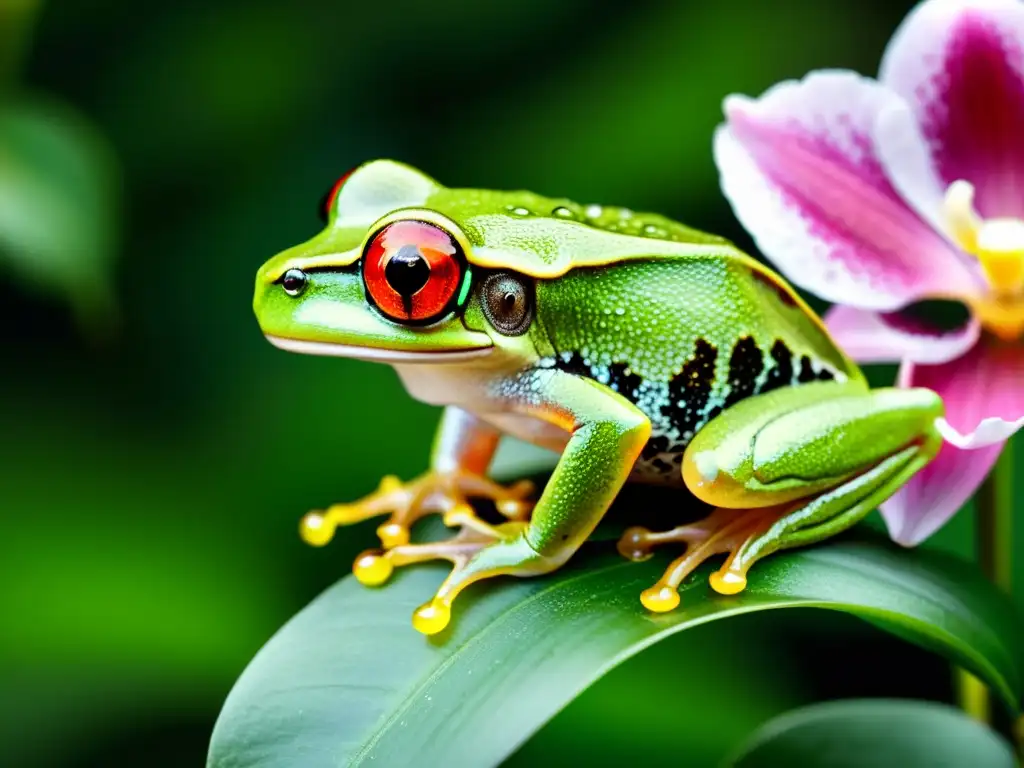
(682, 339)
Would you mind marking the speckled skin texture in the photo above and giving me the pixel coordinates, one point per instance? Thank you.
(682, 344)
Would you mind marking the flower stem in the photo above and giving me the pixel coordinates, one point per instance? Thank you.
(994, 544)
(995, 522)
(973, 695)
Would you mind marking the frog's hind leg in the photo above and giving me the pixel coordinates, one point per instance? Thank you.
(791, 468)
(823, 516)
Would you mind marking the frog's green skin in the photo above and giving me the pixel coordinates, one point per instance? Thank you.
(654, 353)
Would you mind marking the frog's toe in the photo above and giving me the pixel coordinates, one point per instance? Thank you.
(723, 531)
(433, 616)
(316, 529)
(392, 534)
(660, 598)
(638, 543)
(374, 567)
(727, 581)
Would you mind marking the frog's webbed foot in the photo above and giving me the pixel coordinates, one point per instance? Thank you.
(732, 531)
(478, 551)
(446, 493)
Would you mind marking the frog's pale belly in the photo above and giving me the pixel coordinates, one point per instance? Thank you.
(441, 385)
(445, 385)
(528, 429)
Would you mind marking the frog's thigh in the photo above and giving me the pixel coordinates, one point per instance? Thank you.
(799, 442)
(788, 469)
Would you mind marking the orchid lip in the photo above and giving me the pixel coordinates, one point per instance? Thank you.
(376, 354)
(998, 245)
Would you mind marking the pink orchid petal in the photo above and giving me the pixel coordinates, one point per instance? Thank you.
(988, 432)
(873, 337)
(936, 493)
(985, 383)
(984, 406)
(907, 159)
(959, 64)
(801, 172)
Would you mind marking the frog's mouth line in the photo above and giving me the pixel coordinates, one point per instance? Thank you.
(376, 355)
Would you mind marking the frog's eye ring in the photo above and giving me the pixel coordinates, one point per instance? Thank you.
(507, 301)
(327, 201)
(412, 271)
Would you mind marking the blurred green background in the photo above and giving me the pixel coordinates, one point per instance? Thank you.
(151, 157)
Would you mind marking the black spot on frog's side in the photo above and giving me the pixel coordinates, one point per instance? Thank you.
(620, 378)
(690, 390)
(574, 365)
(807, 372)
(624, 381)
(781, 372)
(693, 397)
(746, 364)
(688, 394)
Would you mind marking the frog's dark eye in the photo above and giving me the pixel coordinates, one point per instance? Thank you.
(412, 271)
(294, 282)
(507, 300)
(327, 201)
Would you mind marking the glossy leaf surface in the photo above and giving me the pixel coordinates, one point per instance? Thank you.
(347, 681)
(861, 733)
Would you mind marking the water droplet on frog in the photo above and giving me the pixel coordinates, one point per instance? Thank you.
(594, 211)
(625, 213)
(652, 231)
(620, 311)
(561, 212)
(517, 210)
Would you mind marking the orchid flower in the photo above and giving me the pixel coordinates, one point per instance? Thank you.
(880, 194)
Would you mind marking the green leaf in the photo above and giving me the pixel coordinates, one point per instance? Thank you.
(57, 206)
(863, 733)
(348, 681)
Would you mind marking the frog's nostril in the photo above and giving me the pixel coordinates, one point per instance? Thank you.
(407, 271)
(294, 282)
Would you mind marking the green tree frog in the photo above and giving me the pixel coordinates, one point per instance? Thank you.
(637, 348)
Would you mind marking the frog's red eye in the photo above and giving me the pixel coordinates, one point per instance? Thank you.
(327, 201)
(412, 271)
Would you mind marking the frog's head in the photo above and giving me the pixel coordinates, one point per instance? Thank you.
(387, 279)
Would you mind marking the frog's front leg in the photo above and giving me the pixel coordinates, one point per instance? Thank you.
(788, 468)
(607, 434)
(463, 449)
